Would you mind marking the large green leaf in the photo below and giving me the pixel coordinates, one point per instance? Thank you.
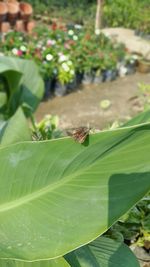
(3, 99)
(58, 195)
(103, 252)
(60, 262)
(24, 82)
(142, 117)
(14, 130)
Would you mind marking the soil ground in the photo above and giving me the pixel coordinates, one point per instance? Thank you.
(82, 107)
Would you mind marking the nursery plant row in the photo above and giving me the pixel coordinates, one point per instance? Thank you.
(70, 55)
(133, 14)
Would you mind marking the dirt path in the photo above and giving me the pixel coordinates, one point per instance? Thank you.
(83, 106)
(133, 42)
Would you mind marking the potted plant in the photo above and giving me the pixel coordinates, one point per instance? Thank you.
(46, 71)
(88, 65)
(131, 62)
(98, 78)
(47, 58)
(66, 75)
(3, 11)
(144, 63)
(78, 62)
(98, 67)
(110, 63)
(13, 12)
(25, 11)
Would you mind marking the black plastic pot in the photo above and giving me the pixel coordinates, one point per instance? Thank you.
(79, 77)
(60, 89)
(72, 85)
(114, 75)
(98, 79)
(131, 68)
(87, 78)
(48, 89)
(109, 75)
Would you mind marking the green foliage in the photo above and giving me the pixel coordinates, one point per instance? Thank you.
(46, 129)
(63, 3)
(132, 14)
(144, 94)
(21, 85)
(64, 195)
(102, 252)
(142, 117)
(135, 225)
(67, 196)
(61, 52)
(53, 263)
(59, 183)
(15, 129)
(119, 13)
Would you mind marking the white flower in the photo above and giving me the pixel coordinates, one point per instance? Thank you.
(107, 34)
(60, 54)
(53, 42)
(65, 67)
(23, 48)
(132, 61)
(15, 51)
(43, 48)
(97, 31)
(63, 58)
(135, 57)
(55, 71)
(72, 72)
(71, 32)
(123, 71)
(75, 37)
(49, 57)
(1, 54)
(69, 63)
(78, 26)
(38, 46)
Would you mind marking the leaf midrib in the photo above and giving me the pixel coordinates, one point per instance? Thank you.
(41, 192)
(32, 196)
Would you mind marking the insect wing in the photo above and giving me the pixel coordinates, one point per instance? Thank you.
(80, 135)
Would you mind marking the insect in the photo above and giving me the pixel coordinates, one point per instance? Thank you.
(79, 134)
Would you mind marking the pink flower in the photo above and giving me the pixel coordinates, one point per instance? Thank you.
(51, 42)
(19, 53)
(67, 46)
